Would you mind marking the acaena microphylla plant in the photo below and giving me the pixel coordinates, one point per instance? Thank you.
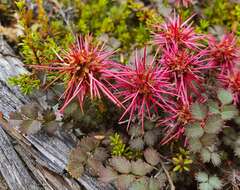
(185, 69)
(143, 88)
(175, 32)
(231, 81)
(176, 122)
(86, 66)
(224, 54)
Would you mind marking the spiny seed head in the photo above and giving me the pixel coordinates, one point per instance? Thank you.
(143, 88)
(224, 54)
(185, 69)
(86, 66)
(175, 32)
(176, 122)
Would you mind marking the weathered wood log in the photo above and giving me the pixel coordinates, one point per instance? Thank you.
(45, 158)
(12, 168)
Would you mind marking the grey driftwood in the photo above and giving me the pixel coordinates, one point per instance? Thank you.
(32, 162)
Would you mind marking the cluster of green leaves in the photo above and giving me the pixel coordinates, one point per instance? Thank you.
(43, 35)
(135, 174)
(224, 13)
(32, 118)
(86, 154)
(27, 83)
(209, 122)
(125, 23)
(118, 147)
(182, 160)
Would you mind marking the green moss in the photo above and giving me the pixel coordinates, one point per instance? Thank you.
(26, 83)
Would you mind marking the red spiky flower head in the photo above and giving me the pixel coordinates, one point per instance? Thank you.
(86, 65)
(176, 122)
(185, 71)
(143, 88)
(225, 53)
(175, 32)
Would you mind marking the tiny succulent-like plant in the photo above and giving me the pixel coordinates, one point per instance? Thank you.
(182, 161)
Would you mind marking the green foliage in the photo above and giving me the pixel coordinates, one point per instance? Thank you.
(207, 182)
(118, 147)
(128, 22)
(31, 118)
(85, 154)
(182, 161)
(43, 35)
(198, 111)
(224, 13)
(27, 83)
(225, 96)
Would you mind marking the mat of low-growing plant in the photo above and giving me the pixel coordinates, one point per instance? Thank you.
(149, 90)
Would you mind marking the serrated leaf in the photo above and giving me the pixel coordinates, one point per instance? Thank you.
(94, 166)
(140, 167)
(152, 156)
(30, 111)
(148, 124)
(107, 175)
(213, 107)
(150, 138)
(88, 143)
(215, 159)
(208, 139)
(237, 151)
(195, 145)
(121, 164)
(77, 156)
(123, 182)
(137, 143)
(75, 163)
(154, 184)
(202, 177)
(30, 127)
(194, 131)
(135, 131)
(75, 170)
(205, 186)
(225, 96)
(215, 182)
(229, 112)
(141, 184)
(205, 155)
(198, 111)
(51, 127)
(100, 154)
(214, 124)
